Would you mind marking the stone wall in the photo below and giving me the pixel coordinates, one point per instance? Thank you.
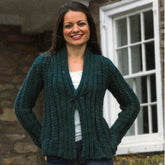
(156, 158)
(18, 52)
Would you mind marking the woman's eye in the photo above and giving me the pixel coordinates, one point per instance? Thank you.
(67, 26)
(81, 24)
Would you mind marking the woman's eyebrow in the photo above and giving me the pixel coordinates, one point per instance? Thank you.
(68, 23)
(72, 22)
(81, 21)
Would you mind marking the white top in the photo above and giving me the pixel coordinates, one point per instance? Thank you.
(76, 78)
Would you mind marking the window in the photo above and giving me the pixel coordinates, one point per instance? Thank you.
(130, 38)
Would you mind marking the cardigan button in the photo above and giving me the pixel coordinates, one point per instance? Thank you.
(72, 100)
(78, 96)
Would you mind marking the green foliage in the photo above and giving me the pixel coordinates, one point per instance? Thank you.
(140, 159)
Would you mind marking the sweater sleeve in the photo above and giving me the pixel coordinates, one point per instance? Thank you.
(26, 100)
(129, 103)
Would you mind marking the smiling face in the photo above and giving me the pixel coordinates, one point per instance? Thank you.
(75, 29)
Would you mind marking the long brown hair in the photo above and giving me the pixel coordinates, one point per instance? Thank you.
(58, 40)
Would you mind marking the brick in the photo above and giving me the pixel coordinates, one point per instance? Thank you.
(14, 137)
(4, 149)
(4, 78)
(29, 58)
(1, 44)
(24, 147)
(24, 47)
(19, 38)
(1, 110)
(7, 28)
(8, 115)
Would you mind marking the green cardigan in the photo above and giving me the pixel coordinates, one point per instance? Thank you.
(56, 135)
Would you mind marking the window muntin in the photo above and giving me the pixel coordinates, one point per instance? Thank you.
(135, 54)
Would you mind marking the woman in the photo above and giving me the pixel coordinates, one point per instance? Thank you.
(75, 76)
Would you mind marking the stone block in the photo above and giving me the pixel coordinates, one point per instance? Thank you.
(5, 94)
(24, 147)
(26, 69)
(14, 137)
(4, 78)
(20, 160)
(18, 86)
(4, 149)
(6, 87)
(8, 62)
(13, 127)
(6, 103)
(7, 115)
(18, 79)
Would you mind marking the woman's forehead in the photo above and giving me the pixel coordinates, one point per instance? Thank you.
(74, 16)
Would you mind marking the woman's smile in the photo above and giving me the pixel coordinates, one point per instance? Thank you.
(76, 37)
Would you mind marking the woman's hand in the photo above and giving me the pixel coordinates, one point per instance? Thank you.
(45, 158)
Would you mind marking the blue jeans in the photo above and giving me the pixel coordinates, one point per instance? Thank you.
(54, 160)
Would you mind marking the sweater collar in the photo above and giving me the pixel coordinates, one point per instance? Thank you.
(66, 75)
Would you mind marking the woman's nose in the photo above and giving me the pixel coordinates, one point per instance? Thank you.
(75, 28)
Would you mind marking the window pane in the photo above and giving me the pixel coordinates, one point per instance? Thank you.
(136, 58)
(154, 119)
(150, 56)
(121, 29)
(143, 125)
(153, 88)
(135, 28)
(139, 90)
(148, 25)
(131, 131)
(130, 82)
(145, 120)
(140, 122)
(144, 90)
(123, 61)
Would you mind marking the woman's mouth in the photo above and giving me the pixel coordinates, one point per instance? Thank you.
(78, 36)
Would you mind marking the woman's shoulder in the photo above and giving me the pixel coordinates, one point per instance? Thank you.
(104, 60)
(42, 58)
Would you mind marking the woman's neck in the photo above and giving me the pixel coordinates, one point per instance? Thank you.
(75, 58)
(76, 52)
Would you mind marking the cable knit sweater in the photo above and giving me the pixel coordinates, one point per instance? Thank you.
(56, 134)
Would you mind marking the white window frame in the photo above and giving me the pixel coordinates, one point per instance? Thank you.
(145, 142)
